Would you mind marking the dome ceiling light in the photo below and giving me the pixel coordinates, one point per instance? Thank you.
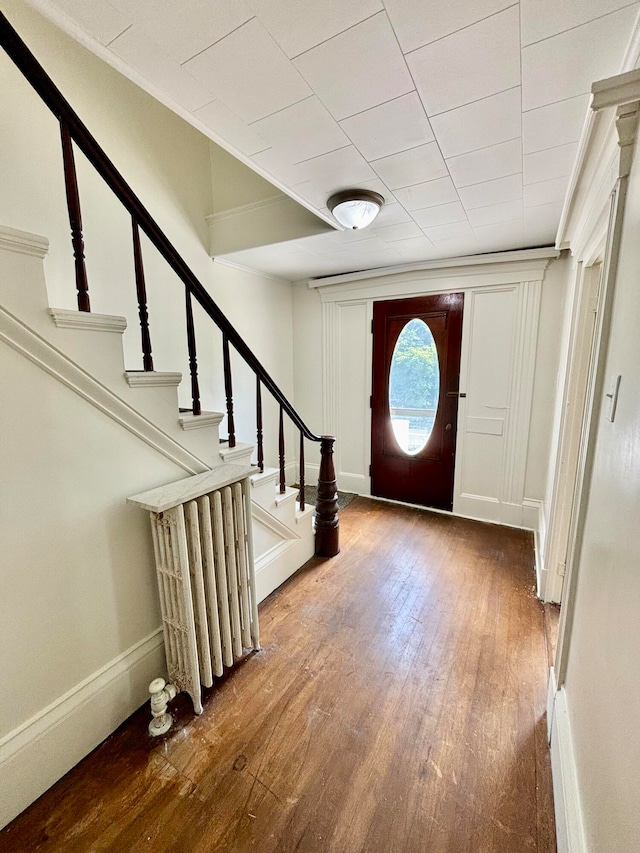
(355, 208)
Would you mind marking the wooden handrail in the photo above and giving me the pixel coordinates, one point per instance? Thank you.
(72, 128)
(22, 57)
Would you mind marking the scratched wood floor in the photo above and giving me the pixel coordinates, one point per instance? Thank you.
(398, 705)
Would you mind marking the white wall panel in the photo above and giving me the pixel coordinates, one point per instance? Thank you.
(353, 393)
(490, 317)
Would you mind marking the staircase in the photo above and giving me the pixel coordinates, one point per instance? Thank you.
(84, 351)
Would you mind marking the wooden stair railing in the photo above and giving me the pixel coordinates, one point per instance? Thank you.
(73, 131)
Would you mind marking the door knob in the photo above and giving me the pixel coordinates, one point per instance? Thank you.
(448, 427)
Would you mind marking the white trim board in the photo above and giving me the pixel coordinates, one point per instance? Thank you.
(534, 518)
(41, 750)
(570, 830)
(23, 242)
(538, 258)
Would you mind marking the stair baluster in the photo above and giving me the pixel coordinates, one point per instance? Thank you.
(301, 475)
(193, 360)
(259, 424)
(141, 290)
(75, 217)
(283, 485)
(228, 390)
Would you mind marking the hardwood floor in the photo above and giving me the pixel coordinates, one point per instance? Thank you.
(397, 706)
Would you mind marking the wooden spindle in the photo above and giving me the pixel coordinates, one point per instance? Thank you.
(327, 520)
(75, 217)
(259, 424)
(141, 290)
(228, 390)
(301, 474)
(283, 485)
(193, 361)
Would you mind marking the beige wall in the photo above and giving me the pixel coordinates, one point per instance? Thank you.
(603, 674)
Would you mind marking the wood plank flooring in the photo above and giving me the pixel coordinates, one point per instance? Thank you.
(397, 707)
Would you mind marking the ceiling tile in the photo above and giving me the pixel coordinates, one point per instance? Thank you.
(498, 161)
(103, 20)
(457, 247)
(441, 214)
(551, 163)
(355, 236)
(453, 231)
(184, 29)
(546, 192)
(417, 23)
(427, 194)
(416, 249)
(492, 192)
(566, 65)
(502, 236)
(392, 214)
(543, 18)
(299, 26)
(471, 64)
(337, 170)
(423, 163)
(496, 213)
(395, 126)
(302, 130)
(231, 129)
(284, 170)
(478, 125)
(358, 69)
(404, 231)
(134, 48)
(541, 223)
(253, 89)
(555, 124)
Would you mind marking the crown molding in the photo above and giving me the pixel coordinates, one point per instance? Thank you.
(467, 265)
(622, 94)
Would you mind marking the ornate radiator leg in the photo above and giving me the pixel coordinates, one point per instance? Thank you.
(161, 694)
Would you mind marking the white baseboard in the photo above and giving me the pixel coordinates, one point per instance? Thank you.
(570, 831)
(45, 747)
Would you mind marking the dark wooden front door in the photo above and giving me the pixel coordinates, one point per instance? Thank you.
(416, 374)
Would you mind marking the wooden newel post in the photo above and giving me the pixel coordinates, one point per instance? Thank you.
(327, 520)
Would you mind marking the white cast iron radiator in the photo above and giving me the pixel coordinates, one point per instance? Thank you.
(203, 549)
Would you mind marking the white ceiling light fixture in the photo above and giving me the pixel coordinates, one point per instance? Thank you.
(355, 208)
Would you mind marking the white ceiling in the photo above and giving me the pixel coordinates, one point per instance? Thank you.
(464, 114)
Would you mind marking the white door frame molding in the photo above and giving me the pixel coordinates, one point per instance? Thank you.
(593, 215)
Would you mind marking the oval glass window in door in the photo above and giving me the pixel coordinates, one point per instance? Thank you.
(414, 386)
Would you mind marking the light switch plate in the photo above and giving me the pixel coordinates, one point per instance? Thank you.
(611, 398)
